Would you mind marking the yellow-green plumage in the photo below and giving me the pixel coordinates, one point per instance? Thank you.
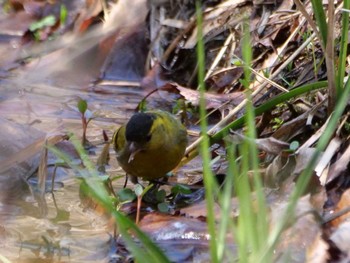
(150, 145)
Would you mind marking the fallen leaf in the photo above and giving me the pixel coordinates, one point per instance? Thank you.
(341, 238)
(303, 158)
(181, 238)
(279, 170)
(339, 166)
(214, 101)
(332, 148)
(291, 128)
(301, 234)
(318, 251)
(87, 15)
(314, 138)
(224, 78)
(216, 20)
(343, 203)
(269, 145)
(199, 209)
(137, 12)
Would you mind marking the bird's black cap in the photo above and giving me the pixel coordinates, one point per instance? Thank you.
(139, 126)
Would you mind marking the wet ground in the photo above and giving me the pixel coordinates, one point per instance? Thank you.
(68, 231)
(38, 100)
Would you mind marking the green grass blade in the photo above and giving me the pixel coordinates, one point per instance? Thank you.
(256, 217)
(304, 178)
(225, 201)
(209, 182)
(343, 49)
(246, 227)
(149, 252)
(320, 20)
(268, 106)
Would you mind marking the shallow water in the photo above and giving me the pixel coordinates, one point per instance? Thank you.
(58, 228)
(68, 232)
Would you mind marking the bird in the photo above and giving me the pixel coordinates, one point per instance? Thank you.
(150, 145)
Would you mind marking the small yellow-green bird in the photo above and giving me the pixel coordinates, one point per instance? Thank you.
(150, 144)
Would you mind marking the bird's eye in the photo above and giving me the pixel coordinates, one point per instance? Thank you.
(148, 138)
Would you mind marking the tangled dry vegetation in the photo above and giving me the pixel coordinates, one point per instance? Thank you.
(154, 48)
(287, 53)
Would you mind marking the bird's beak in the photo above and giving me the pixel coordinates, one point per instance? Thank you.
(134, 149)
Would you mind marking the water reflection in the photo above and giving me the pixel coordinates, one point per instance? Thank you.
(68, 232)
(43, 94)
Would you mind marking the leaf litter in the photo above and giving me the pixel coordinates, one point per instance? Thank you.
(153, 48)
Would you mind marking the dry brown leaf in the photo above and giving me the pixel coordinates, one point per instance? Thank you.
(181, 238)
(167, 227)
(319, 196)
(269, 145)
(224, 78)
(314, 138)
(154, 78)
(339, 166)
(318, 251)
(301, 234)
(342, 204)
(341, 238)
(291, 128)
(200, 210)
(279, 170)
(87, 15)
(221, 17)
(286, 5)
(331, 150)
(303, 158)
(136, 14)
(214, 101)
